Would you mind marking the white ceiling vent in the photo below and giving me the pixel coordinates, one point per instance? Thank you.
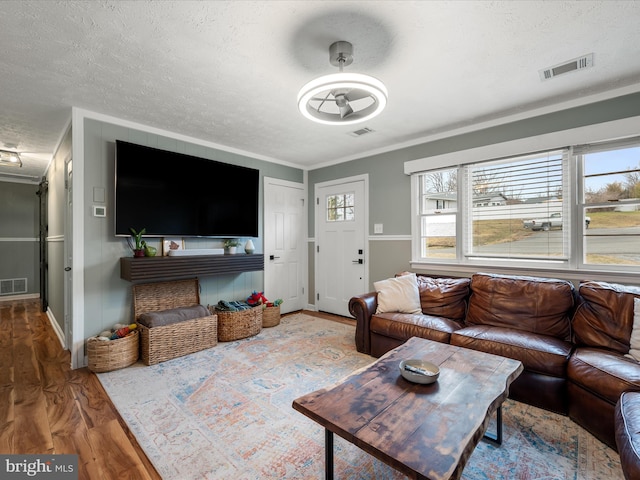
(580, 63)
(362, 131)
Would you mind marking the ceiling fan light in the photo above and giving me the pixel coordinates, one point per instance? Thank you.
(8, 158)
(342, 81)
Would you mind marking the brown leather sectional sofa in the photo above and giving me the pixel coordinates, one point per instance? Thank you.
(571, 342)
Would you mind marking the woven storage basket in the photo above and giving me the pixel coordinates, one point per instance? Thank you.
(107, 356)
(237, 325)
(271, 316)
(158, 344)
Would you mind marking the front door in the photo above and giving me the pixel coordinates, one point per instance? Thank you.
(341, 225)
(284, 246)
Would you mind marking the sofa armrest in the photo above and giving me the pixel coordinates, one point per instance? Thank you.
(362, 307)
(627, 422)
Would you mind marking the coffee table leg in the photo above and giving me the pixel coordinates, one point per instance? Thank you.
(328, 454)
(497, 438)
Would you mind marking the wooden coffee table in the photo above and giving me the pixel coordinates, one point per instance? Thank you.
(423, 431)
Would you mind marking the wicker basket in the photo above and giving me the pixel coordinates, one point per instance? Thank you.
(237, 325)
(271, 316)
(158, 344)
(107, 356)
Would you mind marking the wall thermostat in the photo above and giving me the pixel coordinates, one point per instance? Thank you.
(99, 211)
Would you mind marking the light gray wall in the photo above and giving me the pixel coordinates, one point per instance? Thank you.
(107, 297)
(19, 251)
(389, 187)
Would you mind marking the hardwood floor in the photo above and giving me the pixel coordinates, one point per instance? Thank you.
(48, 408)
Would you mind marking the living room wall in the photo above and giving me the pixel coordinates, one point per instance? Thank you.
(107, 298)
(390, 190)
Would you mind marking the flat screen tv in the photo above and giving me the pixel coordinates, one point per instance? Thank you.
(172, 194)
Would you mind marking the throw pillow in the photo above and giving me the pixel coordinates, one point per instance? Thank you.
(398, 294)
(634, 349)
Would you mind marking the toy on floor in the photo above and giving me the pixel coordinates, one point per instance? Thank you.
(119, 330)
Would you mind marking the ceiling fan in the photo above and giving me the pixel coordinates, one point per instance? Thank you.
(342, 98)
(10, 159)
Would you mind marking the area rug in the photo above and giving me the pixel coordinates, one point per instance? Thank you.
(226, 413)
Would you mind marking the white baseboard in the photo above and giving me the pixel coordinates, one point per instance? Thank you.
(56, 328)
(24, 296)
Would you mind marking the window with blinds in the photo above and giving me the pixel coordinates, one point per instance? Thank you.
(517, 208)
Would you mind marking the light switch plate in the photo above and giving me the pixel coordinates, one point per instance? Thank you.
(377, 228)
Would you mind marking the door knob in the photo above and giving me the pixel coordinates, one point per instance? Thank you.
(67, 269)
(359, 261)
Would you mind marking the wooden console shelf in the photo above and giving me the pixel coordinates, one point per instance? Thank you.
(160, 268)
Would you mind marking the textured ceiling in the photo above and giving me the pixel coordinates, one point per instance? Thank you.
(228, 72)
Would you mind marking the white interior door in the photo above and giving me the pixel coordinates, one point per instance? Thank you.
(284, 245)
(341, 256)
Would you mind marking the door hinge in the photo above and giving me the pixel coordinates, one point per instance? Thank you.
(318, 201)
(317, 296)
(317, 248)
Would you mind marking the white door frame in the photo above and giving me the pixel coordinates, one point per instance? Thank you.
(304, 258)
(319, 208)
(67, 263)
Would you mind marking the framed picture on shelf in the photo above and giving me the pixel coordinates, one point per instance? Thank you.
(169, 244)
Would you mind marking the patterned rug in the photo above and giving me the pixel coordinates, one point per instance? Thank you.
(226, 413)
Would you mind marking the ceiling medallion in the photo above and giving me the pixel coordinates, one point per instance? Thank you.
(342, 98)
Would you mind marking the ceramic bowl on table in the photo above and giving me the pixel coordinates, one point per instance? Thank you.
(419, 371)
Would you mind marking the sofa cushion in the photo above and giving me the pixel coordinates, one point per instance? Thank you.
(606, 374)
(604, 318)
(627, 424)
(538, 353)
(444, 297)
(398, 294)
(403, 326)
(536, 305)
(634, 341)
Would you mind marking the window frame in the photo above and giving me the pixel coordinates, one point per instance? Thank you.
(578, 153)
(574, 209)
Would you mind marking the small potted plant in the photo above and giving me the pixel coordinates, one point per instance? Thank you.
(231, 245)
(136, 243)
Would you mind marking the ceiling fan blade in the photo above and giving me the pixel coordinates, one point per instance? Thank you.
(356, 94)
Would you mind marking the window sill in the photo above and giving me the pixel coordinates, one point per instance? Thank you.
(574, 276)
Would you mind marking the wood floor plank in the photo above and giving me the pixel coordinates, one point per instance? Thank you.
(33, 434)
(7, 427)
(116, 460)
